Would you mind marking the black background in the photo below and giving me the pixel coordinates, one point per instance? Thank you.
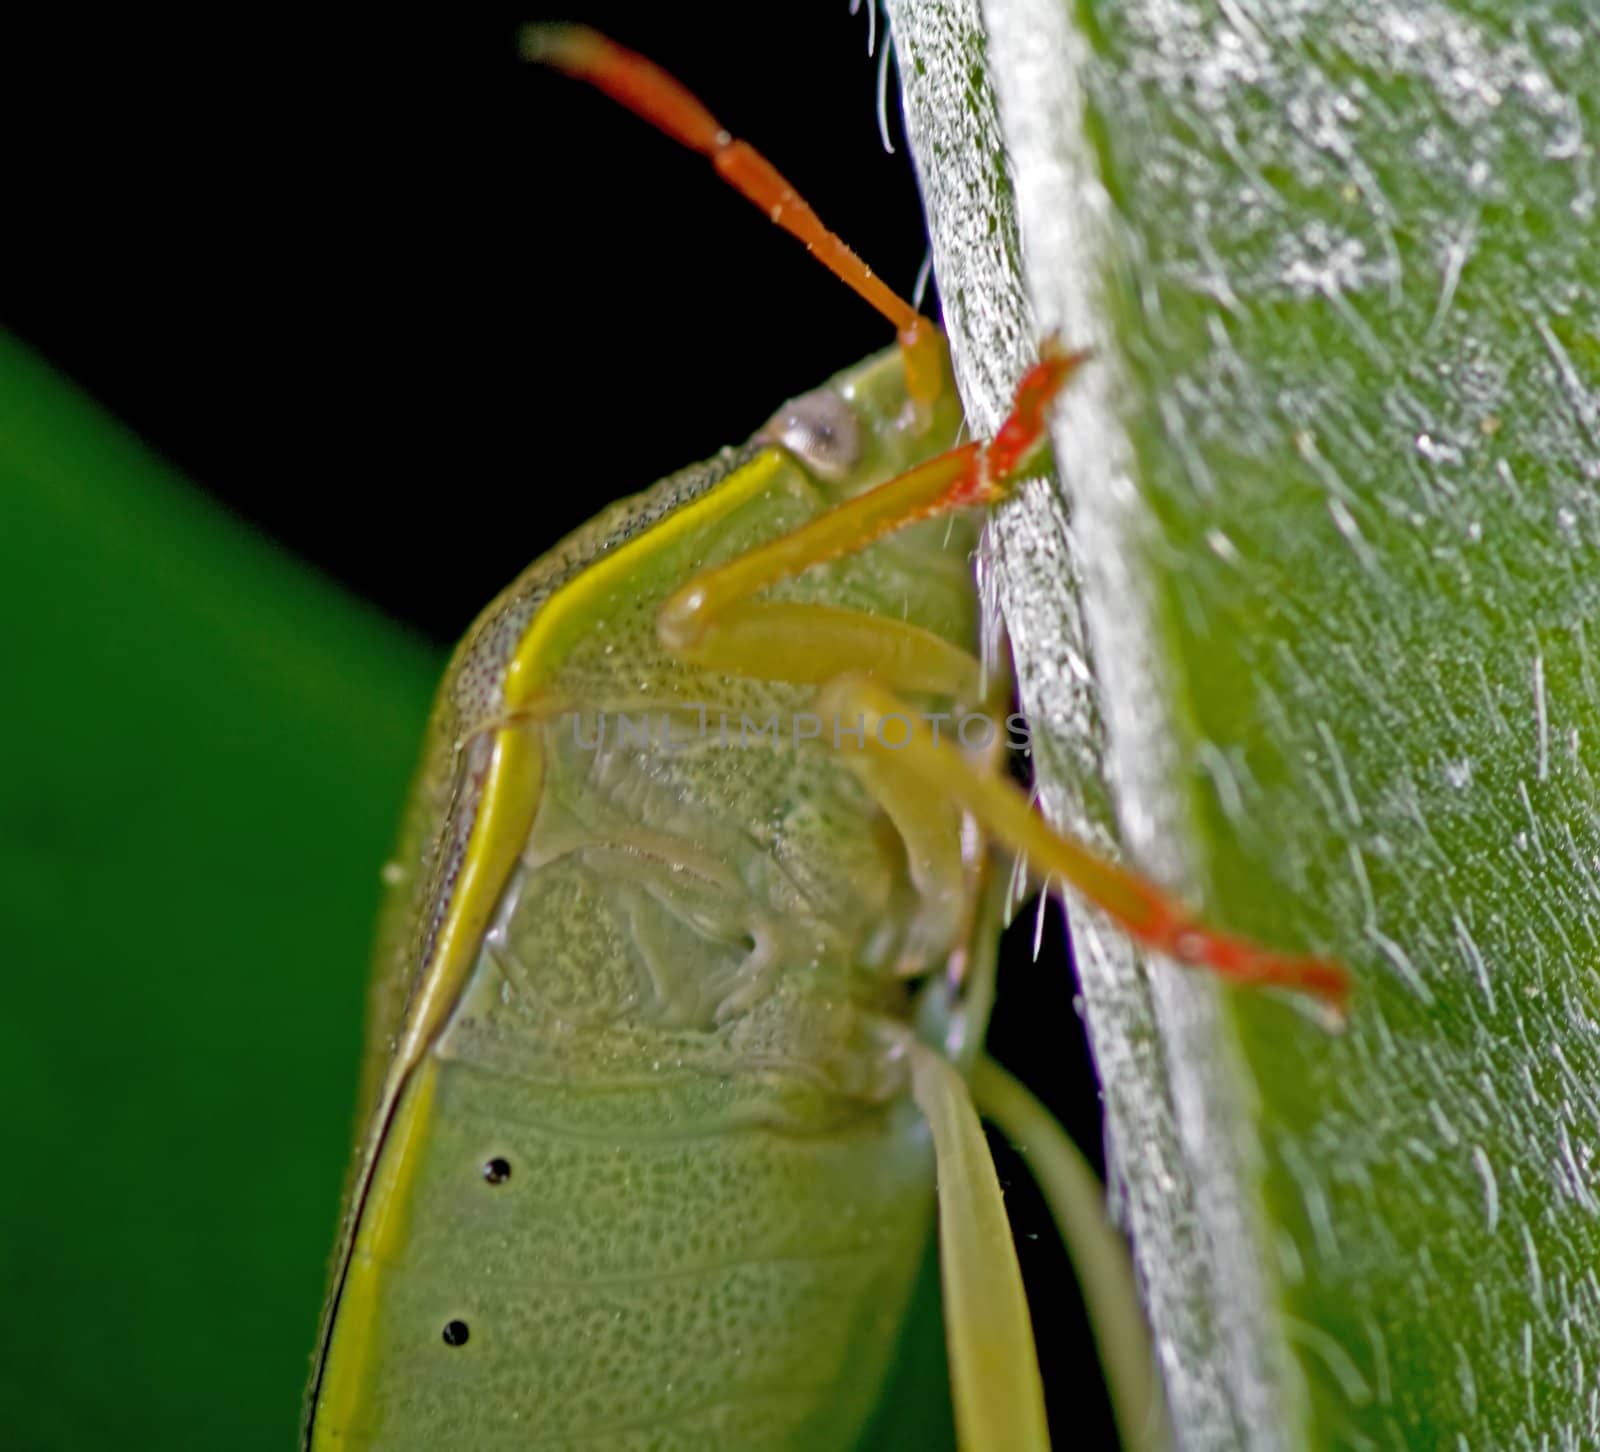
(416, 310)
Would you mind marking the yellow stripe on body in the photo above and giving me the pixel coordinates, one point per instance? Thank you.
(507, 805)
(541, 646)
(378, 1243)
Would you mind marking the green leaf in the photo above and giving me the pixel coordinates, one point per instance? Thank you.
(203, 753)
(1308, 623)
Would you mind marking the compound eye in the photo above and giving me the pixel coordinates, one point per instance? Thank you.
(821, 430)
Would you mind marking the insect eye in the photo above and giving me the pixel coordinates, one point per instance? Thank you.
(497, 1171)
(819, 429)
(455, 1333)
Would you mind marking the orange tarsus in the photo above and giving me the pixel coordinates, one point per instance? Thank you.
(1153, 917)
(1161, 922)
(651, 94)
(994, 467)
(1024, 426)
(1248, 964)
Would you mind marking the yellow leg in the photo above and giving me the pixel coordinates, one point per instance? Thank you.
(930, 826)
(713, 621)
(973, 474)
(811, 644)
(1144, 911)
(994, 1369)
(1098, 1251)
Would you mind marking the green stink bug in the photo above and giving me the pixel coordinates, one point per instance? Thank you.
(688, 952)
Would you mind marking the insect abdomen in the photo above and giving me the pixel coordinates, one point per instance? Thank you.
(630, 1264)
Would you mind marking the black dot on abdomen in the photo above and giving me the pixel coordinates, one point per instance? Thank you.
(456, 1333)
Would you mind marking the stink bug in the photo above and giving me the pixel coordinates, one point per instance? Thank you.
(682, 986)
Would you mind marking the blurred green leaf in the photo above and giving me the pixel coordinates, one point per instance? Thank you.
(1308, 628)
(202, 758)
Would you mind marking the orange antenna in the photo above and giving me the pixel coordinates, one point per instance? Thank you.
(650, 93)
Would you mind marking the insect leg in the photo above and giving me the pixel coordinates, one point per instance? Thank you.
(973, 474)
(1144, 911)
(930, 827)
(811, 644)
(1099, 1253)
(994, 1369)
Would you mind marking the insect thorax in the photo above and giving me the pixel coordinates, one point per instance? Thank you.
(707, 885)
(706, 882)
